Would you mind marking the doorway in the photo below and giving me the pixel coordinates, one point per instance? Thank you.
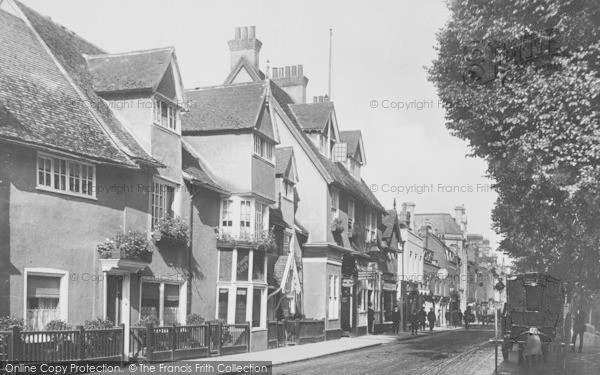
(114, 298)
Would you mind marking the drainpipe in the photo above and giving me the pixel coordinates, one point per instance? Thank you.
(189, 257)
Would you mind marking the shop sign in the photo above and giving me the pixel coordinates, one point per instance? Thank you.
(347, 283)
(389, 286)
(367, 275)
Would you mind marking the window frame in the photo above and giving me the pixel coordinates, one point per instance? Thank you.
(333, 311)
(351, 214)
(263, 148)
(181, 317)
(287, 189)
(52, 175)
(171, 114)
(250, 285)
(335, 203)
(63, 302)
(163, 199)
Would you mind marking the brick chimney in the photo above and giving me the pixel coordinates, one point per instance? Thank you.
(292, 80)
(409, 207)
(245, 45)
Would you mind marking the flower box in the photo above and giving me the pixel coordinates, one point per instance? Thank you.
(172, 230)
(262, 240)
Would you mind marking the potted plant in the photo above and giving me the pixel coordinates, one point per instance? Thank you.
(133, 245)
(337, 225)
(172, 229)
(106, 248)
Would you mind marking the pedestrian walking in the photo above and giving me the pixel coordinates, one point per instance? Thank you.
(448, 318)
(459, 318)
(414, 322)
(370, 318)
(431, 318)
(468, 317)
(396, 319)
(578, 328)
(422, 318)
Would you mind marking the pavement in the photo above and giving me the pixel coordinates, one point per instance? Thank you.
(297, 353)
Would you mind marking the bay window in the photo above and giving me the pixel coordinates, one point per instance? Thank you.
(243, 298)
(65, 175)
(227, 214)
(243, 218)
(261, 217)
(245, 214)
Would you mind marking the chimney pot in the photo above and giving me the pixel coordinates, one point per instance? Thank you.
(315, 99)
(287, 71)
(244, 32)
(300, 70)
(251, 32)
(281, 72)
(238, 33)
(275, 73)
(320, 98)
(326, 98)
(294, 70)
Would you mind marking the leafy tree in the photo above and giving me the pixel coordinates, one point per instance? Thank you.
(537, 128)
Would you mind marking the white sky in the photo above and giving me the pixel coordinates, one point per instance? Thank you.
(379, 53)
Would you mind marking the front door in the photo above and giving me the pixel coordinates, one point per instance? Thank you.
(114, 298)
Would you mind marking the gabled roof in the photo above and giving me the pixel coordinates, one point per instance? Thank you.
(256, 75)
(233, 107)
(285, 163)
(334, 173)
(139, 70)
(313, 117)
(442, 223)
(389, 221)
(47, 98)
(196, 171)
(355, 148)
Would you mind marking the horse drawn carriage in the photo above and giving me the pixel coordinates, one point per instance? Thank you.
(534, 307)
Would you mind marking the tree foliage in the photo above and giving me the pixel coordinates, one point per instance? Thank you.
(539, 131)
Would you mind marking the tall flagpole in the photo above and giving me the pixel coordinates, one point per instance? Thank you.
(330, 46)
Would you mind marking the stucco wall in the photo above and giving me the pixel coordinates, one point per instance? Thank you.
(313, 209)
(263, 178)
(57, 231)
(229, 156)
(204, 250)
(166, 148)
(53, 230)
(315, 289)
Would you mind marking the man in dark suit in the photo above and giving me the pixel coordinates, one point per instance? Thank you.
(578, 328)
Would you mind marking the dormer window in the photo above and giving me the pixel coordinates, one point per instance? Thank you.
(165, 114)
